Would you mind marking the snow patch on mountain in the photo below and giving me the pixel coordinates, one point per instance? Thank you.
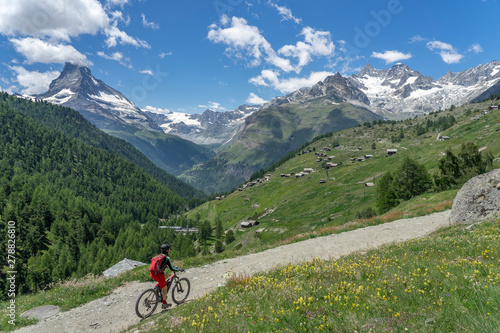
(60, 97)
(171, 119)
(209, 128)
(400, 92)
(495, 71)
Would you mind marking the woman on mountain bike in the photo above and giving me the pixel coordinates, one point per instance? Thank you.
(157, 271)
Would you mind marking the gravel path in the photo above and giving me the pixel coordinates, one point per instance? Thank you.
(115, 312)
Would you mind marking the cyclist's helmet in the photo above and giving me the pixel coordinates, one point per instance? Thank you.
(164, 248)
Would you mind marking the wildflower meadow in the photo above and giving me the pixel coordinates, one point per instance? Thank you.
(447, 282)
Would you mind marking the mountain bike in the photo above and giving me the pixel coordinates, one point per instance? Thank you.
(150, 298)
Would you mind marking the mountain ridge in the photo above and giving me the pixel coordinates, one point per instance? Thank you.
(112, 112)
(395, 93)
(211, 128)
(400, 92)
(77, 88)
(279, 126)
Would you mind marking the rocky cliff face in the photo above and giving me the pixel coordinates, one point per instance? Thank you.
(335, 88)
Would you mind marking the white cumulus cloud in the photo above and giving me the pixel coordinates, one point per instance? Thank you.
(53, 23)
(316, 43)
(156, 110)
(476, 48)
(435, 44)
(120, 3)
(447, 52)
(270, 78)
(164, 54)
(117, 56)
(246, 42)
(34, 82)
(116, 36)
(391, 56)
(254, 99)
(417, 39)
(54, 18)
(213, 106)
(39, 51)
(147, 24)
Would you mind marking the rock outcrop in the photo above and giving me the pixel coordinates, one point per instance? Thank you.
(478, 199)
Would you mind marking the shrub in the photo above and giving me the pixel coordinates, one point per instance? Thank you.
(229, 237)
(366, 213)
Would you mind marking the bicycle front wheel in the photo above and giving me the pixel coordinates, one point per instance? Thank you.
(180, 290)
(146, 303)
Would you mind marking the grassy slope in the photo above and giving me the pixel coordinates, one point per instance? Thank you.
(288, 207)
(446, 282)
(273, 133)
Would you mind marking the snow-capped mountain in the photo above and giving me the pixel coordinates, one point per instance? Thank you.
(102, 105)
(209, 128)
(400, 92)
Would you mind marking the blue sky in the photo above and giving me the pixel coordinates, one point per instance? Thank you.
(186, 56)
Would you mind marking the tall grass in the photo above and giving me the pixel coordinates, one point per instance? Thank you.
(448, 282)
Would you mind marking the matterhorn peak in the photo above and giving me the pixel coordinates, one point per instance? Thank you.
(77, 88)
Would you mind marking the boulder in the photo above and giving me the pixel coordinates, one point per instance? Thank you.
(478, 199)
(41, 312)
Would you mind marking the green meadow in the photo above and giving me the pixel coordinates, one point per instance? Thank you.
(290, 208)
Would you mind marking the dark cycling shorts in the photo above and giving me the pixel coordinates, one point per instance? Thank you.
(160, 278)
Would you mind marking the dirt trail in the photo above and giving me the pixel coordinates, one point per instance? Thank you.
(115, 312)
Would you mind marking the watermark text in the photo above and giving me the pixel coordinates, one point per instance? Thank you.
(11, 273)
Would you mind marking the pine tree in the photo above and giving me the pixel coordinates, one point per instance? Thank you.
(411, 179)
(219, 230)
(205, 231)
(386, 195)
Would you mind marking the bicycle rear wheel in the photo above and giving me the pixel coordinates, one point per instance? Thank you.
(146, 303)
(180, 290)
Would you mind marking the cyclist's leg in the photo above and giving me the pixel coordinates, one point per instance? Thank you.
(164, 291)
